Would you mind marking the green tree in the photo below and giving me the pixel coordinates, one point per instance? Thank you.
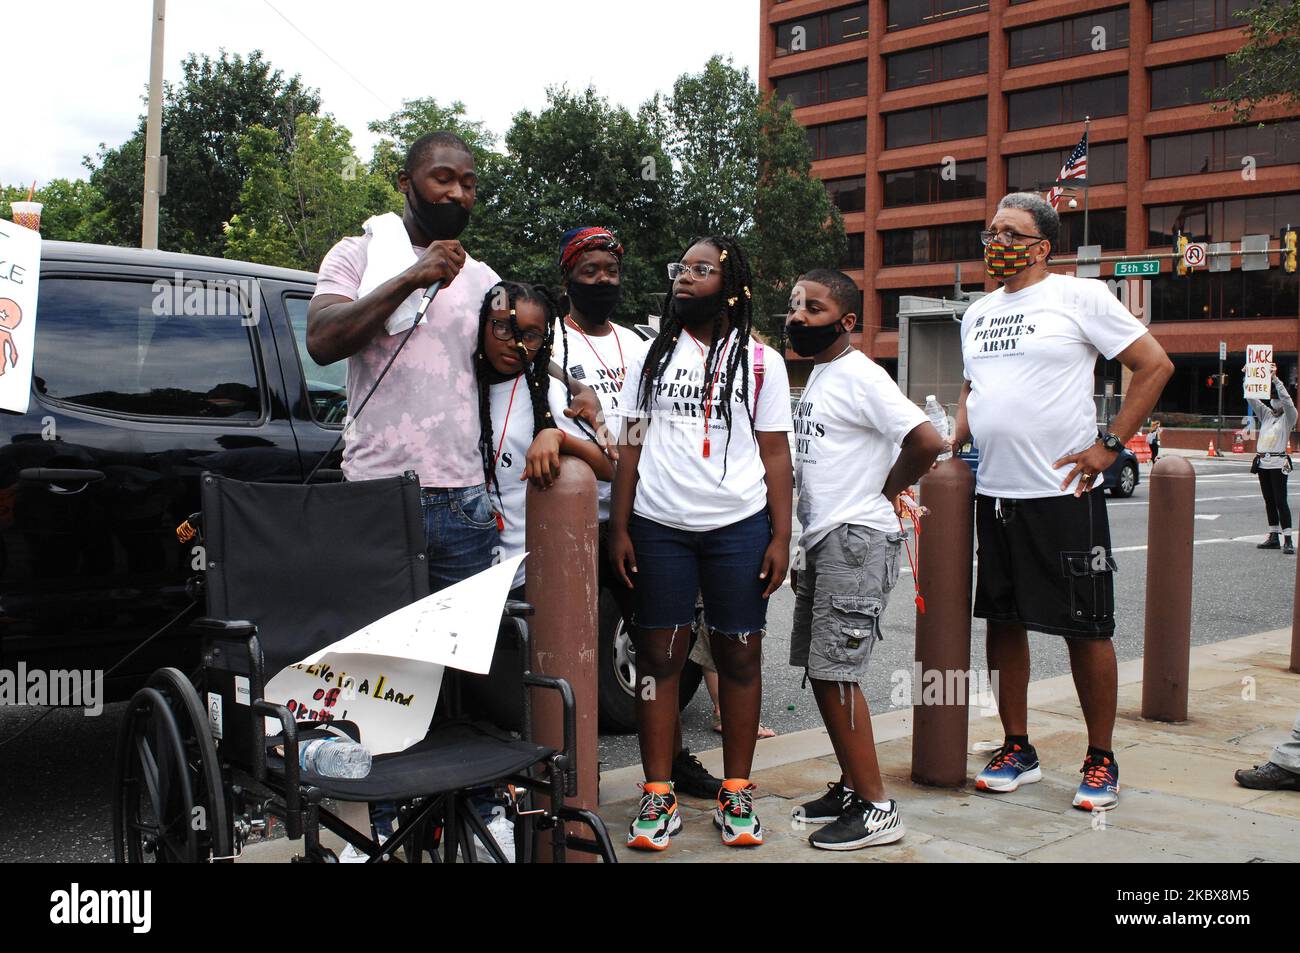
(70, 205)
(418, 117)
(292, 209)
(580, 161)
(204, 119)
(1266, 71)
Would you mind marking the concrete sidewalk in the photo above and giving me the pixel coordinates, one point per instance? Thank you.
(1178, 799)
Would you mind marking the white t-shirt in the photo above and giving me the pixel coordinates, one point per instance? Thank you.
(676, 484)
(511, 447)
(848, 427)
(1030, 357)
(600, 362)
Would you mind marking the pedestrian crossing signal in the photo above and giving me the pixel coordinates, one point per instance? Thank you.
(1180, 246)
(1289, 250)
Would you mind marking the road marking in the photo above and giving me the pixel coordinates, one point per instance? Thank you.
(1206, 516)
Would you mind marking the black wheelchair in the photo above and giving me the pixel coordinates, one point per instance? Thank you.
(289, 570)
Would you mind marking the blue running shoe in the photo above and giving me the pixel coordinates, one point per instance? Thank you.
(1100, 788)
(1010, 767)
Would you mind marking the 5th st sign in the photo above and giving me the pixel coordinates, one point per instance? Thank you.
(1135, 269)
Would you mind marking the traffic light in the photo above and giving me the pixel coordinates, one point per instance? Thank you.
(1180, 245)
(1213, 380)
(1289, 250)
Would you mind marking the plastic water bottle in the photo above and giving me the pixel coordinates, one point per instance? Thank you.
(934, 410)
(334, 758)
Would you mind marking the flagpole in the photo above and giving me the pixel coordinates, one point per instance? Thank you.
(1087, 176)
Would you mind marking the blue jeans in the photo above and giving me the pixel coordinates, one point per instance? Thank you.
(460, 540)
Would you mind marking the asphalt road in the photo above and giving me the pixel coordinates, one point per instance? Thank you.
(55, 780)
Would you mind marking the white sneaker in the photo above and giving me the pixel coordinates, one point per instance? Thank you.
(351, 855)
(502, 830)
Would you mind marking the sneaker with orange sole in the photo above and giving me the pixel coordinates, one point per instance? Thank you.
(734, 814)
(657, 819)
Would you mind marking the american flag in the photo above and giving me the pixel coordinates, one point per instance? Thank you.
(1076, 167)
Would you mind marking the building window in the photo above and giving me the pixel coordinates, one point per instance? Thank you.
(1225, 150)
(1224, 295)
(1223, 221)
(919, 246)
(1061, 39)
(909, 13)
(1106, 227)
(1036, 171)
(1187, 83)
(824, 85)
(932, 64)
(1070, 102)
(936, 123)
(855, 252)
(824, 29)
(848, 195)
(838, 138)
(1170, 18)
(935, 183)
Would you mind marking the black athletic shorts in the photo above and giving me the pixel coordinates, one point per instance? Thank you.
(1046, 564)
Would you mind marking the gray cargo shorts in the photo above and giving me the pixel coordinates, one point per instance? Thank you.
(843, 588)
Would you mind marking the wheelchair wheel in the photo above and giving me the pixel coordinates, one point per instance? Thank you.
(169, 803)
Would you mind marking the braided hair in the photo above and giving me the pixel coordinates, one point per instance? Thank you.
(537, 373)
(737, 299)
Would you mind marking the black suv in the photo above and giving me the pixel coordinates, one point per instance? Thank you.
(151, 367)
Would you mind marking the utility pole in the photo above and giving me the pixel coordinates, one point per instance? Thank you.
(153, 131)
(1087, 121)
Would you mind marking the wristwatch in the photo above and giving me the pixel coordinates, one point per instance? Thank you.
(1110, 441)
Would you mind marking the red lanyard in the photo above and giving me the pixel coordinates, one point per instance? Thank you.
(708, 396)
(505, 428)
(622, 363)
(916, 573)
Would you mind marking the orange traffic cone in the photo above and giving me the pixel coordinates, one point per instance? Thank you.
(1211, 450)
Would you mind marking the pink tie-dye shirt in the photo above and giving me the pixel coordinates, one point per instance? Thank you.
(424, 416)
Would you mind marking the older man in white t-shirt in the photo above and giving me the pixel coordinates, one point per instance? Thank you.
(1030, 349)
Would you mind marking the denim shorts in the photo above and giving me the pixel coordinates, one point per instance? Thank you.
(843, 588)
(673, 565)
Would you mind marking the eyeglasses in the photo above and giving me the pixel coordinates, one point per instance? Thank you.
(698, 271)
(1005, 235)
(502, 331)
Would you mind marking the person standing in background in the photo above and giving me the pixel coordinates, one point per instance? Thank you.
(1272, 462)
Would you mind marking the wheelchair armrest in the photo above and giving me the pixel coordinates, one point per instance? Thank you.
(292, 772)
(569, 747)
(233, 628)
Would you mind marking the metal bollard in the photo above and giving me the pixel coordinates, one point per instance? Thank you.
(939, 732)
(1167, 644)
(1295, 624)
(562, 584)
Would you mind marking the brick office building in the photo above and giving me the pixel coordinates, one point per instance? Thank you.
(923, 113)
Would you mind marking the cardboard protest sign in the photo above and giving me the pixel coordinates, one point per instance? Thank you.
(1257, 384)
(20, 272)
(386, 677)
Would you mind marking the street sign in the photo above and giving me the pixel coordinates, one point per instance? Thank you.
(1129, 269)
(1089, 262)
(1221, 256)
(1254, 252)
(1194, 254)
(1223, 350)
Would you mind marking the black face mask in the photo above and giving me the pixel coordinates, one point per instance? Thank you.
(440, 221)
(699, 310)
(595, 302)
(809, 341)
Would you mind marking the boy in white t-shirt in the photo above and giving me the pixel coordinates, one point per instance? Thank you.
(859, 442)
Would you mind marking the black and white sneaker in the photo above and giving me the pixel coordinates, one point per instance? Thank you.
(826, 808)
(861, 825)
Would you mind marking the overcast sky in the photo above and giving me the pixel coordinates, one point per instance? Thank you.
(77, 69)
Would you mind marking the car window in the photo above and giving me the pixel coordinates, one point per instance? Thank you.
(327, 385)
(148, 349)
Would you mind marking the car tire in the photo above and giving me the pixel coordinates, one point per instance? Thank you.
(1127, 482)
(617, 678)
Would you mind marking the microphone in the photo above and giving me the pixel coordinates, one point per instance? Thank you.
(424, 302)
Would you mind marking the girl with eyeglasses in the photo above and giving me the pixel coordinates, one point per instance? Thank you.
(702, 504)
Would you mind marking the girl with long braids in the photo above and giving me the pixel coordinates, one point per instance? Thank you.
(702, 503)
(523, 427)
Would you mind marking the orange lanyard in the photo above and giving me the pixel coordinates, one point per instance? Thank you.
(708, 396)
(916, 573)
(622, 363)
(505, 429)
